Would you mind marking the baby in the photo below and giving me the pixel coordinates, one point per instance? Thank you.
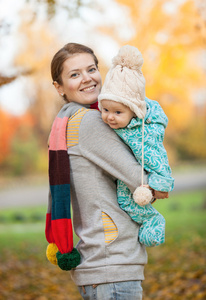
(141, 123)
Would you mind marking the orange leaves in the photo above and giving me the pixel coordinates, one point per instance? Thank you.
(176, 272)
(9, 126)
(7, 131)
(171, 37)
(29, 278)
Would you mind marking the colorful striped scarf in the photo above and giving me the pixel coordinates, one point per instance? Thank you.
(59, 231)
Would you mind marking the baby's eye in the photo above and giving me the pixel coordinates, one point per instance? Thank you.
(118, 112)
(105, 109)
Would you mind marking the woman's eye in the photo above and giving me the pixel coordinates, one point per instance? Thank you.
(92, 70)
(74, 75)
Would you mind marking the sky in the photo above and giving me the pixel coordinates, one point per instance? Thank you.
(12, 96)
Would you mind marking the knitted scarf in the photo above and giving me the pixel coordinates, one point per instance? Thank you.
(59, 231)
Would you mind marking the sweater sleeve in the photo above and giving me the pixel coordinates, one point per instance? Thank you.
(100, 144)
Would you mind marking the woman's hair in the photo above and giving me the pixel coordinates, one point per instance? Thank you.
(67, 51)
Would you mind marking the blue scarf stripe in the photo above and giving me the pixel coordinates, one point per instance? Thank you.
(60, 201)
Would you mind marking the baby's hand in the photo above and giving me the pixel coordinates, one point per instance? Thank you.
(160, 195)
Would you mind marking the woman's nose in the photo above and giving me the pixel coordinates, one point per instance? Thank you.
(86, 77)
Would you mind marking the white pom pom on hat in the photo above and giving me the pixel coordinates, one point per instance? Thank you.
(125, 82)
(129, 57)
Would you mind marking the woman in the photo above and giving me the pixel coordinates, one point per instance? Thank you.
(111, 258)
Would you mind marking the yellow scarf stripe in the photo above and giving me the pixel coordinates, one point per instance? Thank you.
(110, 229)
(72, 134)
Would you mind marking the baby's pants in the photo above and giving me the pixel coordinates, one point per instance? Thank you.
(152, 223)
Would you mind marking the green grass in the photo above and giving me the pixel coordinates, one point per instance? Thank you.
(184, 213)
(19, 214)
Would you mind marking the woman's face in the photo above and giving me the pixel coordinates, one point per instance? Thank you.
(81, 80)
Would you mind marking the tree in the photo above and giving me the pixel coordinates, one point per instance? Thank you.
(10, 125)
(72, 7)
(36, 54)
(171, 37)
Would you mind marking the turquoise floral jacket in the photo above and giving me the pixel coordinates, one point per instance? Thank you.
(155, 155)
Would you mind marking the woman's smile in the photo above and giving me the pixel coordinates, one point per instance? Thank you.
(89, 89)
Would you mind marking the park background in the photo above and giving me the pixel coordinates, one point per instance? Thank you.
(172, 38)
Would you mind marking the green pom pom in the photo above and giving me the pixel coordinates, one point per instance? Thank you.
(68, 261)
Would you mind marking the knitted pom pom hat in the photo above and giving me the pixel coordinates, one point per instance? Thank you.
(125, 82)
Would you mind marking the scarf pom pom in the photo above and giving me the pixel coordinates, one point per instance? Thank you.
(68, 261)
(51, 252)
(142, 196)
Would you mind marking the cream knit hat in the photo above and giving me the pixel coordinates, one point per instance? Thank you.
(125, 82)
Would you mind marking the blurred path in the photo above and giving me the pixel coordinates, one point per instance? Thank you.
(28, 195)
(24, 196)
(189, 181)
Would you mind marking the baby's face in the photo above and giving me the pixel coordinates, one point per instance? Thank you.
(115, 114)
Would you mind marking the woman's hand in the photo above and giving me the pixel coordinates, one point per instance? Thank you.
(157, 194)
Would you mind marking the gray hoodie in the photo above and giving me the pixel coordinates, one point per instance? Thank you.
(97, 160)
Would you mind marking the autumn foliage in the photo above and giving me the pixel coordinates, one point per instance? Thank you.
(172, 38)
(10, 126)
(175, 271)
